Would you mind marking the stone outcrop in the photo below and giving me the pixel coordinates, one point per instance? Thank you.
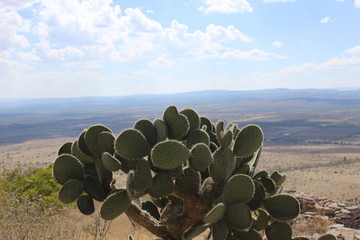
(342, 213)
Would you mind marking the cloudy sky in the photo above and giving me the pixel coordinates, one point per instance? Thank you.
(71, 48)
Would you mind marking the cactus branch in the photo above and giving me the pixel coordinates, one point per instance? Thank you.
(148, 222)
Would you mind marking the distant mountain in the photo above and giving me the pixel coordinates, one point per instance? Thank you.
(287, 116)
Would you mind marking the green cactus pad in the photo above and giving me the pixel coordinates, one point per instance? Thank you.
(82, 144)
(67, 167)
(278, 178)
(269, 185)
(84, 158)
(201, 157)
(105, 176)
(224, 164)
(194, 231)
(71, 190)
(169, 154)
(232, 237)
(65, 148)
(91, 138)
(198, 136)
(248, 141)
(259, 196)
(261, 174)
(282, 207)
(249, 235)
(161, 129)
(301, 238)
(189, 183)
(162, 185)
(193, 118)
(239, 188)
(94, 188)
(142, 176)
(114, 205)
(215, 214)
(204, 121)
(242, 169)
(178, 124)
(262, 220)
(224, 138)
(85, 204)
(327, 237)
(105, 142)
(238, 216)
(132, 144)
(109, 162)
(147, 128)
(151, 208)
(278, 231)
(220, 230)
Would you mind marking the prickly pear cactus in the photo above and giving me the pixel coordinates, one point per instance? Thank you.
(200, 176)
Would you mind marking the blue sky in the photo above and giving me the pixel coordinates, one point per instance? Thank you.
(73, 48)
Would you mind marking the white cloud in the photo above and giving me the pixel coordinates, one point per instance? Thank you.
(325, 20)
(161, 62)
(226, 6)
(354, 50)
(357, 3)
(150, 11)
(70, 30)
(7, 65)
(254, 54)
(269, 1)
(16, 4)
(11, 24)
(277, 44)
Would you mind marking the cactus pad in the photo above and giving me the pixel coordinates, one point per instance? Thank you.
(109, 162)
(248, 141)
(91, 138)
(238, 216)
(239, 188)
(161, 129)
(148, 130)
(194, 231)
(85, 204)
(282, 207)
(278, 231)
(132, 144)
(114, 205)
(201, 157)
(67, 167)
(162, 185)
(178, 124)
(84, 158)
(224, 164)
(193, 118)
(327, 237)
(249, 235)
(169, 154)
(71, 190)
(220, 230)
(65, 148)
(198, 136)
(215, 214)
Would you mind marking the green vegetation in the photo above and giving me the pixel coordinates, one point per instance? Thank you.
(199, 175)
(36, 185)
